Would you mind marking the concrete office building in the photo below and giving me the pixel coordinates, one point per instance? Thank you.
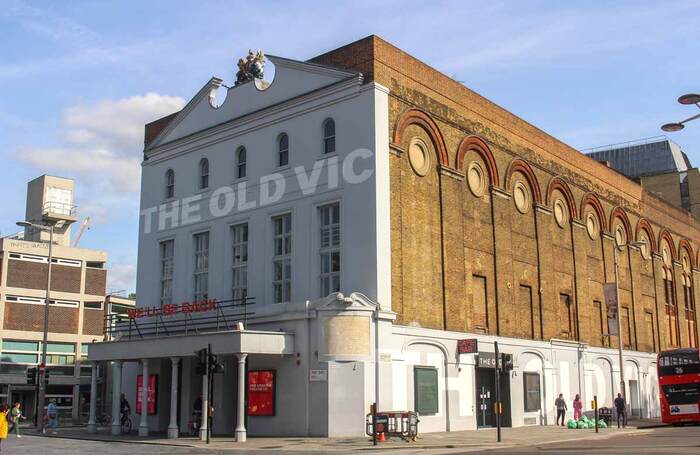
(659, 166)
(378, 212)
(76, 312)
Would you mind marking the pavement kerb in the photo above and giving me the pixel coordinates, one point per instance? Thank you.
(379, 447)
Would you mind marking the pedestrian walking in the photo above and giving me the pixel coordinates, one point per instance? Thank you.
(15, 417)
(620, 408)
(52, 412)
(578, 407)
(560, 404)
(4, 410)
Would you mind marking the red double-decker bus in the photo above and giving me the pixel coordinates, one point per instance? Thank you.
(679, 384)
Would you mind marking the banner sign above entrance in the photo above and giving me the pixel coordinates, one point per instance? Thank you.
(468, 346)
(488, 360)
(169, 309)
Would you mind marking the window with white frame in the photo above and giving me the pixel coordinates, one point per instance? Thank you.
(329, 136)
(239, 286)
(204, 174)
(282, 258)
(283, 150)
(329, 248)
(241, 160)
(201, 266)
(167, 264)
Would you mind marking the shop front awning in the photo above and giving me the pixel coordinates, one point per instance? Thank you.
(222, 342)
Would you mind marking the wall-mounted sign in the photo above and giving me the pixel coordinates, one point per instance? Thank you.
(170, 309)
(468, 346)
(152, 393)
(610, 291)
(261, 393)
(488, 360)
(318, 375)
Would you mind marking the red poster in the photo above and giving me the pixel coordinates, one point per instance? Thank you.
(261, 393)
(152, 393)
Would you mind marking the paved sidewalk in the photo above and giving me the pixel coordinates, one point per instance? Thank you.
(473, 439)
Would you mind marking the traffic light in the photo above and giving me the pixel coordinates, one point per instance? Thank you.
(31, 376)
(214, 365)
(201, 368)
(507, 362)
(46, 377)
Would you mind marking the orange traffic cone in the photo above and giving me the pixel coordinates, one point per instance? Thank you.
(381, 437)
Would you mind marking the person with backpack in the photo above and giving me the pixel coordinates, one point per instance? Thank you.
(15, 417)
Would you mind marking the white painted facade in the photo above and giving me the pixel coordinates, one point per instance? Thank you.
(349, 336)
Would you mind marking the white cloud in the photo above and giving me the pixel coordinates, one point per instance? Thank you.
(121, 276)
(103, 144)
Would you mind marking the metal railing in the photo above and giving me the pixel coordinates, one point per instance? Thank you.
(159, 322)
(60, 208)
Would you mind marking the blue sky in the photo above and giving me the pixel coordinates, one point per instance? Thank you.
(79, 79)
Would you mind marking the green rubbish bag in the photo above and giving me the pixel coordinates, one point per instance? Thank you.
(580, 425)
(591, 424)
(571, 425)
(602, 424)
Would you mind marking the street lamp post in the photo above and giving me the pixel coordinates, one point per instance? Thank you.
(42, 366)
(690, 98)
(619, 318)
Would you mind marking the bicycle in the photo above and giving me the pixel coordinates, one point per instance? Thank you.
(126, 422)
(195, 424)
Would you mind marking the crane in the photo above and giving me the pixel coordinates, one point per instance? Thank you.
(85, 225)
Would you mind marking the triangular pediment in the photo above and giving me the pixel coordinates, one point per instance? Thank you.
(292, 79)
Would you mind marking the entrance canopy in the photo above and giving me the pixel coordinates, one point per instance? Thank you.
(222, 342)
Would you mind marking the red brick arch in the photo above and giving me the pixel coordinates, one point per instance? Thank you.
(644, 225)
(619, 213)
(592, 200)
(418, 117)
(557, 183)
(666, 235)
(684, 244)
(478, 145)
(518, 165)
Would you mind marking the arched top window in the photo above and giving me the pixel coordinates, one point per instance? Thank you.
(329, 136)
(283, 150)
(241, 160)
(204, 174)
(169, 184)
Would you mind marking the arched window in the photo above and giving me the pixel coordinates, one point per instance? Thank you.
(689, 303)
(241, 162)
(203, 174)
(169, 184)
(283, 150)
(329, 136)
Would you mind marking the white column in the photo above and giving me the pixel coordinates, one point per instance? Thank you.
(143, 421)
(240, 421)
(173, 428)
(92, 425)
(116, 396)
(204, 427)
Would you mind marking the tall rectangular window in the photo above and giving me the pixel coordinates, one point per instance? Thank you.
(282, 258)
(598, 324)
(651, 330)
(690, 313)
(425, 390)
(567, 316)
(626, 327)
(201, 266)
(329, 248)
(531, 382)
(528, 310)
(671, 311)
(167, 265)
(239, 287)
(479, 305)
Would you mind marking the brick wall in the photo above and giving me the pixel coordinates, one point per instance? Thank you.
(21, 316)
(32, 275)
(95, 281)
(93, 322)
(444, 239)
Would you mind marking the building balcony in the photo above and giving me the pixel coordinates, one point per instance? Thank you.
(59, 211)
